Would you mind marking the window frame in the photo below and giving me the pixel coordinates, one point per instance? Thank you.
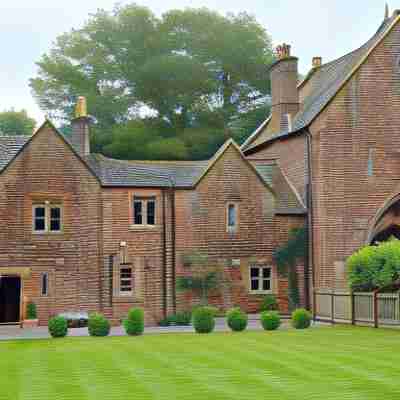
(47, 206)
(144, 201)
(126, 293)
(232, 228)
(44, 275)
(260, 279)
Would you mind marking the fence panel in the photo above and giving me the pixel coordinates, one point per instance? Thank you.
(388, 308)
(342, 306)
(323, 301)
(364, 307)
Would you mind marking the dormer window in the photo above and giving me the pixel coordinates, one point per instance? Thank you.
(47, 217)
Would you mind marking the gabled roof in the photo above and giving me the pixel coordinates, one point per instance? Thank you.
(288, 201)
(326, 81)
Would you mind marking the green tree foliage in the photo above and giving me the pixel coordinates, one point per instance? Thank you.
(173, 87)
(286, 257)
(374, 267)
(16, 123)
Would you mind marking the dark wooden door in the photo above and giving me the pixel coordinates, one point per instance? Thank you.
(10, 299)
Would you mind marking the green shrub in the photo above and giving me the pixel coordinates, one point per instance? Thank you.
(269, 303)
(236, 319)
(301, 318)
(98, 325)
(374, 267)
(183, 318)
(31, 312)
(58, 327)
(270, 320)
(134, 323)
(203, 319)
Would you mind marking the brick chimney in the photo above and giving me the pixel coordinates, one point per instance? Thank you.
(80, 128)
(285, 97)
(316, 62)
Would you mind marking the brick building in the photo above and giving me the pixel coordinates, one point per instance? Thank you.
(82, 232)
(335, 135)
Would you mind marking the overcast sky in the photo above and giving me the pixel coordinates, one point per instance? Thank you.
(313, 27)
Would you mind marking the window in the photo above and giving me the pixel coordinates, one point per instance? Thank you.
(260, 279)
(144, 211)
(125, 281)
(45, 284)
(231, 217)
(47, 217)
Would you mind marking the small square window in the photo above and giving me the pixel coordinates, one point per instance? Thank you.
(47, 218)
(260, 279)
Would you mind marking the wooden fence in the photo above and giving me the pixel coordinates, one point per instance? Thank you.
(371, 308)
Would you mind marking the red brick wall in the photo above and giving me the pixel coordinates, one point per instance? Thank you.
(48, 170)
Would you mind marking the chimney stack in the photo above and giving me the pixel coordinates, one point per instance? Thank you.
(80, 128)
(316, 62)
(285, 97)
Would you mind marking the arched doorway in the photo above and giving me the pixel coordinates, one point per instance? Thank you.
(387, 223)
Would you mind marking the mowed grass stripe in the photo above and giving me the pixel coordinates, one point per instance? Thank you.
(321, 363)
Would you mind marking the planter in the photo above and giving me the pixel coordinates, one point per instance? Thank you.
(30, 323)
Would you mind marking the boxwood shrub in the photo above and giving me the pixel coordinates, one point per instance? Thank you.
(236, 319)
(203, 319)
(269, 303)
(98, 325)
(31, 311)
(301, 318)
(134, 323)
(270, 320)
(58, 327)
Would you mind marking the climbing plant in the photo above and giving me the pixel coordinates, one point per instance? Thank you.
(286, 258)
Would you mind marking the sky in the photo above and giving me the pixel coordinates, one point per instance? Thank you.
(313, 28)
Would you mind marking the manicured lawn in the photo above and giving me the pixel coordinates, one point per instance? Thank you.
(320, 363)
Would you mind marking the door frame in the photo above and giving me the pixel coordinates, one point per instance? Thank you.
(21, 299)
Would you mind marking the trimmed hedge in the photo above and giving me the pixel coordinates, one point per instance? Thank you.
(301, 318)
(236, 319)
(203, 319)
(134, 323)
(58, 327)
(98, 325)
(183, 318)
(269, 303)
(270, 320)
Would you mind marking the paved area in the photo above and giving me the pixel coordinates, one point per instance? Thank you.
(15, 332)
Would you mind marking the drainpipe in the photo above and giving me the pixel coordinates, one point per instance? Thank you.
(164, 256)
(310, 257)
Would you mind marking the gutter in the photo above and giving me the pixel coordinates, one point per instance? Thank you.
(310, 222)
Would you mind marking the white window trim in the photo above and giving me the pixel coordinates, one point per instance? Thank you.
(143, 201)
(260, 279)
(47, 217)
(234, 228)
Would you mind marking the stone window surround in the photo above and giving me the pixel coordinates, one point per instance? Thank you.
(261, 279)
(47, 205)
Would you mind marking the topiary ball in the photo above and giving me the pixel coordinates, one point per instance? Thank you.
(270, 320)
(134, 324)
(301, 318)
(98, 325)
(58, 327)
(203, 319)
(236, 319)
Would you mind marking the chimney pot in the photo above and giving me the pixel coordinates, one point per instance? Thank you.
(80, 128)
(316, 62)
(283, 51)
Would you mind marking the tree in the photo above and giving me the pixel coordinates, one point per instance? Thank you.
(286, 257)
(201, 277)
(16, 123)
(193, 71)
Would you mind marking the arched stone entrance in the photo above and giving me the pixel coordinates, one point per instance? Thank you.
(386, 223)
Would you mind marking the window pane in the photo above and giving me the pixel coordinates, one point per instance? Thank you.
(266, 284)
(266, 272)
(55, 213)
(137, 212)
(151, 209)
(231, 215)
(39, 212)
(254, 272)
(44, 284)
(254, 284)
(39, 224)
(55, 225)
